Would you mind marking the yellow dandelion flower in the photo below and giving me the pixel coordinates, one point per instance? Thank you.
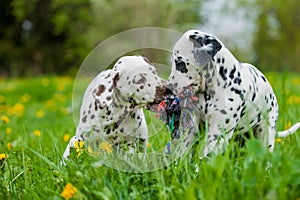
(69, 191)
(79, 147)
(17, 109)
(296, 81)
(45, 82)
(37, 133)
(8, 130)
(64, 111)
(148, 145)
(60, 87)
(50, 103)
(60, 97)
(278, 140)
(91, 151)
(25, 98)
(5, 119)
(293, 99)
(9, 146)
(40, 114)
(67, 137)
(288, 125)
(3, 156)
(105, 146)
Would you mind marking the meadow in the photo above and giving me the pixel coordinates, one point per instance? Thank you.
(37, 123)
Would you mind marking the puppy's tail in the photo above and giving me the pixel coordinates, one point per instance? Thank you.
(289, 131)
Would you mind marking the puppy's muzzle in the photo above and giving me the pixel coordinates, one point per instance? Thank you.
(160, 93)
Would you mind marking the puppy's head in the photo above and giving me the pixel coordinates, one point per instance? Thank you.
(134, 82)
(192, 60)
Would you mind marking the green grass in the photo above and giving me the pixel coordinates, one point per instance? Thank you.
(40, 116)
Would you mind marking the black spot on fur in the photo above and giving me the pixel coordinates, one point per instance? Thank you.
(222, 73)
(231, 74)
(180, 66)
(223, 111)
(253, 96)
(133, 116)
(239, 92)
(237, 81)
(243, 111)
(108, 112)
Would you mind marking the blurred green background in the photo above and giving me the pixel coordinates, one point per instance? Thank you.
(54, 36)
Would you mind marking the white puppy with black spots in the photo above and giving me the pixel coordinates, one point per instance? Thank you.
(112, 105)
(233, 97)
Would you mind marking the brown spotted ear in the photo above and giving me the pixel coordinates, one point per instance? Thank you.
(104, 87)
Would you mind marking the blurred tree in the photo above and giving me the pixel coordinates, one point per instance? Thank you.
(114, 16)
(277, 39)
(47, 32)
(54, 36)
(9, 39)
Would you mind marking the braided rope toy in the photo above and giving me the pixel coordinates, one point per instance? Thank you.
(173, 111)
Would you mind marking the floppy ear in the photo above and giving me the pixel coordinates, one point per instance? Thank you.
(104, 88)
(201, 56)
(205, 48)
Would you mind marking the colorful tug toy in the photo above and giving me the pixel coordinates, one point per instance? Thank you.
(173, 110)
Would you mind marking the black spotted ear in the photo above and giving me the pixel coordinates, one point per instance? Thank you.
(201, 56)
(205, 48)
(104, 87)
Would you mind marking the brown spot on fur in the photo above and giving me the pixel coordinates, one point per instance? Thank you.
(101, 89)
(142, 80)
(115, 79)
(84, 119)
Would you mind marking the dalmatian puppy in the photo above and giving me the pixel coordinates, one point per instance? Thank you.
(234, 97)
(112, 104)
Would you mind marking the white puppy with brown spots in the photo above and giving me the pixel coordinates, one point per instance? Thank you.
(112, 104)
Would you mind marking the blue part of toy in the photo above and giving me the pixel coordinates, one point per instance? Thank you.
(168, 148)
